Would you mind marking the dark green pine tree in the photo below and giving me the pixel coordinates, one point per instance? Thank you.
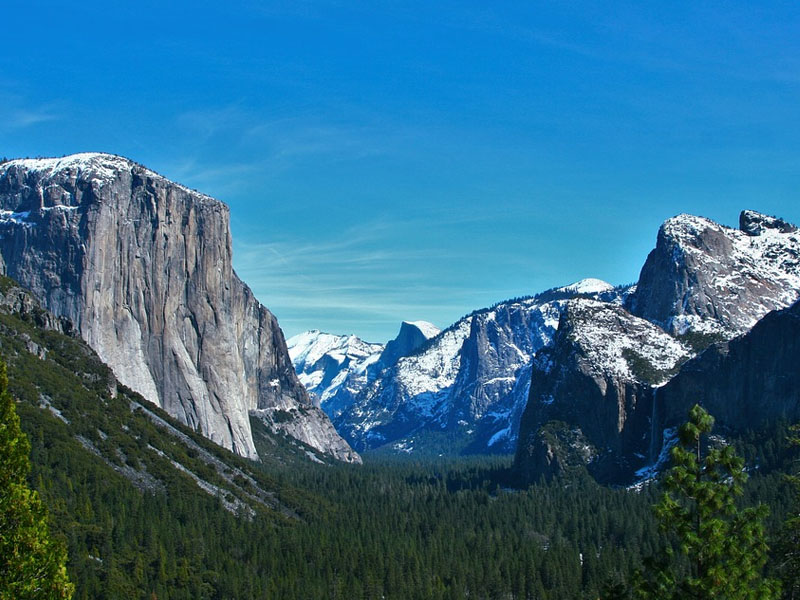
(721, 549)
(31, 564)
(788, 549)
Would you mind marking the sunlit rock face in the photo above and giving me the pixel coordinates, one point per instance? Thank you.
(704, 278)
(142, 267)
(617, 380)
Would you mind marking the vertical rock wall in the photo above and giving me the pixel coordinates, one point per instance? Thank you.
(143, 268)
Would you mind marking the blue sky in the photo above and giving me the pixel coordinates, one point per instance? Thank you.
(418, 160)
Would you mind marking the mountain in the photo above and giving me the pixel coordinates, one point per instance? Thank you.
(335, 368)
(150, 508)
(705, 278)
(412, 335)
(595, 396)
(141, 266)
(146, 506)
(63, 387)
(745, 382)
(592, 389)
(332, 367)
(465, 389)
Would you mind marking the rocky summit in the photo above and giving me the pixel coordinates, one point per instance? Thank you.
(609, 391)
(465, 389)
(704, 278)
(141, 266)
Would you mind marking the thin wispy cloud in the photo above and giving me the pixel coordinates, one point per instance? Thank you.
(26, 118)
(217, 178)
(346, 277)
(272, 148)
(281, 138)
(16, 113)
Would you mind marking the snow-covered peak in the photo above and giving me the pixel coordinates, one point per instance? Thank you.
(99, 167)
(706, 278)
(688, 227)
(332, 365)
(589, 285)
(429, 330)
(435, 369)
(309, 347)
(97, 164)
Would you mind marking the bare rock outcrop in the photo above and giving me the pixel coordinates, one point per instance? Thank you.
(705, 278)
(142, 267)
(591, 393)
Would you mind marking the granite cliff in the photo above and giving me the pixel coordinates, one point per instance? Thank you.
(745, 382)
(708, 279)
(591, 392)
(142, 268)
(598, 397)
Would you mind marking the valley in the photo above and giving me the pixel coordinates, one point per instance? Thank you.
(514, 454)
(330, 300)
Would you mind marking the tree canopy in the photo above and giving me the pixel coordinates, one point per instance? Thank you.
(721, 548)
(31, 564)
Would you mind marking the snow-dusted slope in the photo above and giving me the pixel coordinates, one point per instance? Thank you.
(588, 286)
(592, 392)
(469, 383)
(598, 378)
(705, 278)
(611, 342)
(331, 366)
(336, 368)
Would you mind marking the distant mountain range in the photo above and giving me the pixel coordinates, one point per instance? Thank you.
(587, 375)
(335, 368)
(569, 376)
(464, 389)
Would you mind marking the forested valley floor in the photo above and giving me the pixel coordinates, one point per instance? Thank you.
(150, 509)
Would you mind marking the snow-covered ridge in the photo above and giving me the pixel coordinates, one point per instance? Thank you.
(608, 336)
(587, 286)
(436, 368)
(429, 330)
(739, 274)
(91, 166)
(472, 379)
(308, 347)
(328, 364)
(99, 164)
(688, 226)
